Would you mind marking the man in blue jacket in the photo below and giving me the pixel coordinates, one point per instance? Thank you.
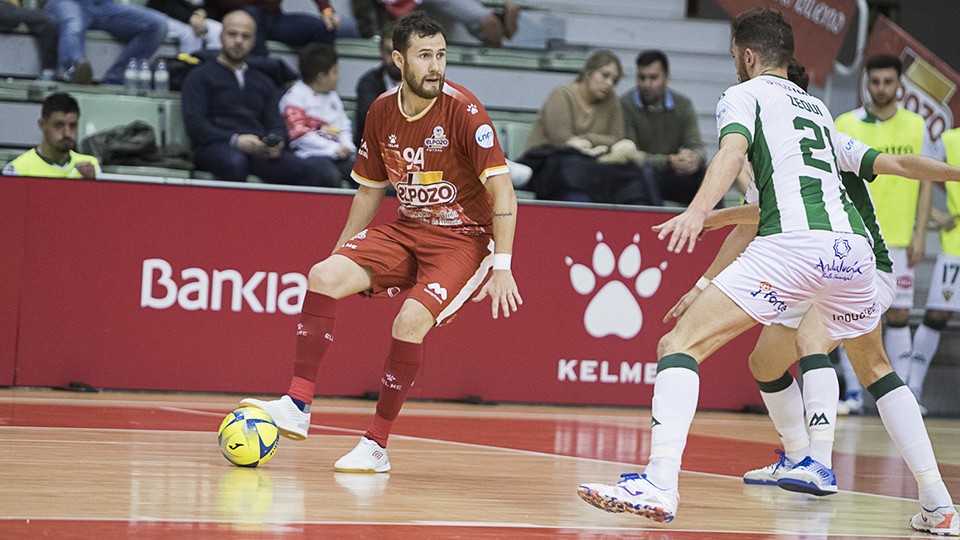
(231, 114)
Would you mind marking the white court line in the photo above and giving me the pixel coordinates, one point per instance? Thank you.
(473, 524)
(482, 447)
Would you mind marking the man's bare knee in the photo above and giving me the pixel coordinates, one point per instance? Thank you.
(668, 344)
(413, 322)
(898, 317)
(321, 280)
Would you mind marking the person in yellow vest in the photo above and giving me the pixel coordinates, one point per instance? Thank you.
(902, 205)
(943, 299)
(54, 156)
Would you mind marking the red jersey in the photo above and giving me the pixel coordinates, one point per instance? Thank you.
(438, 160)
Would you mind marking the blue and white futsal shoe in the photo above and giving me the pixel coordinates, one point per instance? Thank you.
(809, 476)
(634, 494)
(769, 475)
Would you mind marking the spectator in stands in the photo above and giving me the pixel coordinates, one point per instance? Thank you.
(233, 118)
(293, 29)
(663, 123)
(317, 125)
(577, 149)
(142, 29)
(490, 26)
(376, 81)
(54, 157)
(188, 23)
(40, 26)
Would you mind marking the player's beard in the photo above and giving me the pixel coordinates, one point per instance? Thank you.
(742, 74)
(883, 100)
(418, 87)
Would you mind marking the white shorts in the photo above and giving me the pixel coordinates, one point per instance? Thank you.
(833, 271)
(886, 289)
(943, 294)
(903, 276)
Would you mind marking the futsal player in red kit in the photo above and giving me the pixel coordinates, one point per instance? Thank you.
(435, 143)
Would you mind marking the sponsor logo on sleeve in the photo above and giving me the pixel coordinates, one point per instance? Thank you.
(484, 136)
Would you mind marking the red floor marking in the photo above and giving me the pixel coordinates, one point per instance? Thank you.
(97, 530)
(628, 444)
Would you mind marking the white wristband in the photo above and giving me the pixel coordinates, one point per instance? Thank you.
(702, 283)
(501, 261)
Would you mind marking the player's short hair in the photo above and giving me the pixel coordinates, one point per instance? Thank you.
(884, 61)
(59, 102)
(418, 24)
(766, 32)
(597, 60)
(645, 58)
(316, 58)
(798, 74)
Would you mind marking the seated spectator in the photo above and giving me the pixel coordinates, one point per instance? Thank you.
(576, 148)
(40, 26)
(142, 30)
(293, 29)
(376, 81)
(233, 118)
(663, 123)
(318, 127)
(490, 26)
(54, 157)
(187, 22)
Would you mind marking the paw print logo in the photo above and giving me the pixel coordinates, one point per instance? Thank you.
(614, 309)
(472, 109)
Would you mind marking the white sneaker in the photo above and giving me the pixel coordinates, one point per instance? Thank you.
(852, 403)
(634, 494)
(809, 476)
(769, 475)
(942, 520)
(292, 422)
(366, 457)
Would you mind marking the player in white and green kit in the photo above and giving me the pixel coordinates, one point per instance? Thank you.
(808, 443)
(805, 219)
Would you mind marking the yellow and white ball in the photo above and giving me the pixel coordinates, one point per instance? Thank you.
(248, 437)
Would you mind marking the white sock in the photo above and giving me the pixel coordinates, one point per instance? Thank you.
(901, 417)
(675, 395)
(925, 343)
(785, 407)
(850, 379)
(899, 346)
(821, 389)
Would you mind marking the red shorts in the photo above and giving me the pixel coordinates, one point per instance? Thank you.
(441, 269)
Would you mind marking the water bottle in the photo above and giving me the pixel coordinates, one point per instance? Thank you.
(146, 76)
(131, 78)
(161, 77)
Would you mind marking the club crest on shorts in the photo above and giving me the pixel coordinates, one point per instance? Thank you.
(841, 247)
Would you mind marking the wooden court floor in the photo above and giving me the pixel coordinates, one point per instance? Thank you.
(146, 465)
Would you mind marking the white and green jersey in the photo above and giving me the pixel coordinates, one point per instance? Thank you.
(791, 148)
(855, 160)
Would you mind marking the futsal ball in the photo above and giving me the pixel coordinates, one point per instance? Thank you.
(248, 437)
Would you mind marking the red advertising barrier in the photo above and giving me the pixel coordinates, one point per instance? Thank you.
(147, 286)
(929, 85)
(819, 27)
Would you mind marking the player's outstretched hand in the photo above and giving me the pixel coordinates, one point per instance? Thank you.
(681, 306)
(503, 293)
(683, 230)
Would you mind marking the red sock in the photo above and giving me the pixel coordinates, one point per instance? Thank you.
(401, 369)
(314, 336)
